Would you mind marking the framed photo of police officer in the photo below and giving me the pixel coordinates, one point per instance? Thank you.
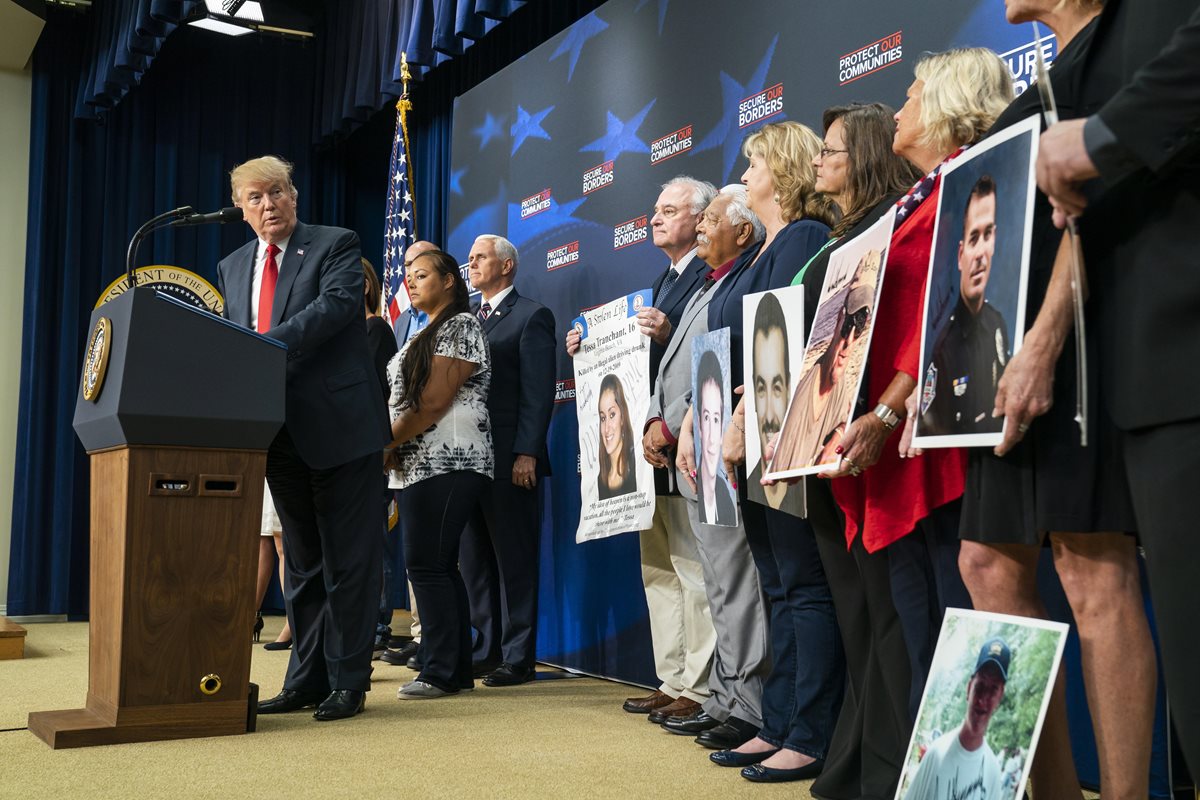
(772, 366)
(983, 707)
(975, 293)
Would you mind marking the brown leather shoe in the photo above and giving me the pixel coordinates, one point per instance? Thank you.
(682, 707)
(644, 705)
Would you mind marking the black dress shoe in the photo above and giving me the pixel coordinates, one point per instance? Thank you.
(732, 758)
(691, 725)
(760, 774)
(401, 656)
(290, 700)
(414, 664)
(509, 675)
(730, 734)
(340, 704)
(478, 670)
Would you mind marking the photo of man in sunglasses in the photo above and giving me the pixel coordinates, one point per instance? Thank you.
(958, 390)
(821, 404)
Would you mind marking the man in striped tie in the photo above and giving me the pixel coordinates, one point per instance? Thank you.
(499, 554)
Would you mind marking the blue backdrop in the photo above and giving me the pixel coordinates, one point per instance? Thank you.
(569, 145)
(622, 100)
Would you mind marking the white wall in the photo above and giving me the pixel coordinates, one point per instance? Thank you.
(15, 92)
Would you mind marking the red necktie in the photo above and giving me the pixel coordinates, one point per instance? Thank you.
(266, 292)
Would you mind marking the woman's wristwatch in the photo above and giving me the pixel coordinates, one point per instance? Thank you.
(887, 416)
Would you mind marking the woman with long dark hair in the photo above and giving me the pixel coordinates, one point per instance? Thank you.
(441, 456)
(617, 467)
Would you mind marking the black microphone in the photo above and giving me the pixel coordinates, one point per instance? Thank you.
(231, 214)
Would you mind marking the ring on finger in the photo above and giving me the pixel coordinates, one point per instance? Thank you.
(1023, 427)
(847, 460)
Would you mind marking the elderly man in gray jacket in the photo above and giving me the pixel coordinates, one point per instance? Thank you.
(733, 712)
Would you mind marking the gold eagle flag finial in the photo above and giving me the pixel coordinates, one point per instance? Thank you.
(404, 105)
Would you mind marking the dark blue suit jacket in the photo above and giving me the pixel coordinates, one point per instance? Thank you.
(334, 411)
(793, 246)
(520, 333)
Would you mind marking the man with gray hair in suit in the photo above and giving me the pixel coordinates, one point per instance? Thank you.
(733, 712)
(681, 630)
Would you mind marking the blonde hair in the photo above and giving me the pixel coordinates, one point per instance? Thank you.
(965, 90)
(788, 150)
(265, 169)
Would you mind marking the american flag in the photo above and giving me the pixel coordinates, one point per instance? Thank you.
(399, 229)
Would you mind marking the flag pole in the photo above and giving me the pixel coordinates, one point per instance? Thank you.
(403, 106)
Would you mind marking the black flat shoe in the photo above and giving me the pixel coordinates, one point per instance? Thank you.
(731, 758)
(509, 675)
(289, 700)
(341, 704)
(278, 645)
(760, 774)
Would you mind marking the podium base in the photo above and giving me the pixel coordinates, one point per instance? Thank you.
(82, 727)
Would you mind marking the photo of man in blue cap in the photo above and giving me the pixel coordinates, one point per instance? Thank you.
(960, 765)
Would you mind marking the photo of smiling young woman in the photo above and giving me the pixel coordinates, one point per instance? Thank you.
(617, 466)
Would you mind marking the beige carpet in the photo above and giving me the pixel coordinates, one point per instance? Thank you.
(549, 739)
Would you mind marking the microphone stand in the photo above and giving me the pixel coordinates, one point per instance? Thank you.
(142, 232)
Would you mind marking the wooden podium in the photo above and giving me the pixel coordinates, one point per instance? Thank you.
(177, 408)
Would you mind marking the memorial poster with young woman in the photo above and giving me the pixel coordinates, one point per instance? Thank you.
(612, 390)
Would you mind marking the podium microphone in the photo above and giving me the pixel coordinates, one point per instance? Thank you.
(231, 214)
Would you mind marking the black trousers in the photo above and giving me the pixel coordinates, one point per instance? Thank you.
(499, 563)
(866, 754)
(925, 582)
(332, 551)
(1163, 464)
(433, 514)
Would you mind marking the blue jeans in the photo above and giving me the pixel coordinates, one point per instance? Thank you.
(803, 694)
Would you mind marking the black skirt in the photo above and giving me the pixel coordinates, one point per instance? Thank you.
(1048, 482)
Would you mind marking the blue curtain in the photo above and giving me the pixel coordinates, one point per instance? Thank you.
(208, 103)
(362, 41)
(121, 47)
(170, 143)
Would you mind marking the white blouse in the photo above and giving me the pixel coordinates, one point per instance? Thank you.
(462, 438)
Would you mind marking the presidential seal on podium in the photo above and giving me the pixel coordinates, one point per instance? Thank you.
(95, 361)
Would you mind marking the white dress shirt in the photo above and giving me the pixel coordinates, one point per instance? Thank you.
(260, 262)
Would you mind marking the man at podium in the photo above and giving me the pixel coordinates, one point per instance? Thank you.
(302, 285)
